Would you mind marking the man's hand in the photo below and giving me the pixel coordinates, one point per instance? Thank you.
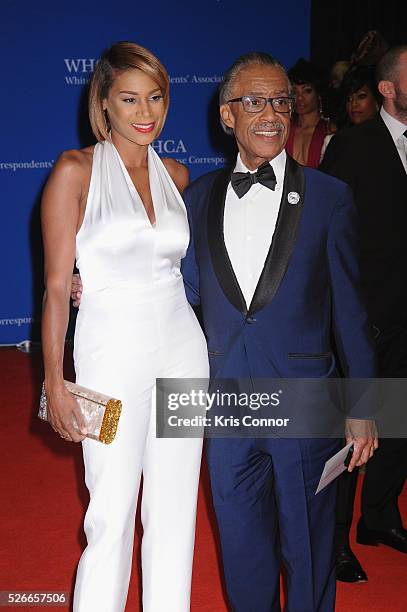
(76, 289)
(363, 434)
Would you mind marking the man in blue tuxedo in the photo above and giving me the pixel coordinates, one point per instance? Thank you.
(272, 263)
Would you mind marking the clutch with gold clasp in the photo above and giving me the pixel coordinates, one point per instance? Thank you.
(100, 412)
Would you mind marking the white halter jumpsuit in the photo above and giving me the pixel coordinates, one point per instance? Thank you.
(135, 325)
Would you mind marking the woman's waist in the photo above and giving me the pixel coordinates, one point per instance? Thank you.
(131, 293)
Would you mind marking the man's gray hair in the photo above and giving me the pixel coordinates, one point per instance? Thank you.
(255, 57)
(388, 69)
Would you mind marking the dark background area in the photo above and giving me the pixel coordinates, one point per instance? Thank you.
(338, 25)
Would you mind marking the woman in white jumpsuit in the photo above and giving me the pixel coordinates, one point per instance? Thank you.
(117, 209)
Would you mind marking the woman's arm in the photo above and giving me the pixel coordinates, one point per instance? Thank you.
(60, 216)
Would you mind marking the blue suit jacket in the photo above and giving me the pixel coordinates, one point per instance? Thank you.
(309, 286)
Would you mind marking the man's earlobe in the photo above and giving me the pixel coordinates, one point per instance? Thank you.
(386, 89)
(226, 115)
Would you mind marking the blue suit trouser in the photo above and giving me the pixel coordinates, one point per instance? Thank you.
(269, 516)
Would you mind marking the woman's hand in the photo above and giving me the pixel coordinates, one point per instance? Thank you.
(65, 416)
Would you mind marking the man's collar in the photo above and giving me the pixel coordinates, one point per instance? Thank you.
(395, 127)
(278, 164)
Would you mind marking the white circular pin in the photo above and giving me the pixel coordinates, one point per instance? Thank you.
(293, 197)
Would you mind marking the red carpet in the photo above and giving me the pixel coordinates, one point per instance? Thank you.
(43, 502)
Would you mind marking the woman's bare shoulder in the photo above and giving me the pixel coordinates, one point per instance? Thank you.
(177, 171)
(75, 161)
(71, 172)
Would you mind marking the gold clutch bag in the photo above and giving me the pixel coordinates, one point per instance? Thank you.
(100, 412)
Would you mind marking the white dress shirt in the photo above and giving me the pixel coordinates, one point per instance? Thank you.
(249, 224)
(396, 129)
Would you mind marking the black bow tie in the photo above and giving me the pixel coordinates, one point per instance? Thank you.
(242, 181)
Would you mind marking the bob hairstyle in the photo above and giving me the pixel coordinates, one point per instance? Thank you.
(117, 59)
(305, 73)
(358, 77)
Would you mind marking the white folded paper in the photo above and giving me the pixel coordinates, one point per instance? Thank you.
(333, 468)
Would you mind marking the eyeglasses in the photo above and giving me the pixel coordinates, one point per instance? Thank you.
(256, 104)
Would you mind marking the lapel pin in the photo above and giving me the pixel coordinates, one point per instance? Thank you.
(293, 197)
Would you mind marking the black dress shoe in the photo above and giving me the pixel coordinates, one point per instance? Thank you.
(348, 568)
(395, 538)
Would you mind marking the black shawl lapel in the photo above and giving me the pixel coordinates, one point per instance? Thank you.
(216, 241)
(284, 237)
(281, 246)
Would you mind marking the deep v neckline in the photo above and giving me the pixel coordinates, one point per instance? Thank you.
(132, 188)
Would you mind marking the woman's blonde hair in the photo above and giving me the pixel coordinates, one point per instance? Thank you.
(118, 58)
